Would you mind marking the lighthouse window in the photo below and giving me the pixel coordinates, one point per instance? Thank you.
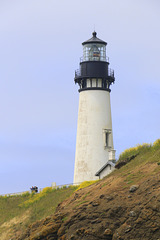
(107, 139)
(99, 82)
(93, 82)
(107, 136)
(94, 52)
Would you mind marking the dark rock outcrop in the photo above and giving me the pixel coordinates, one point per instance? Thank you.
(105, 211)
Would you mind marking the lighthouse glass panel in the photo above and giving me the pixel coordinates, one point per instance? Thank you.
(94, 52)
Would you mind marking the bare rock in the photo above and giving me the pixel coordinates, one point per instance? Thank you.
(132, 214)
(72, 237)
(133, 188)
(128, 229)
(80, 231)
(109, 198)
(108, 232)
(95, 203)
(101, 196)
(97, 220)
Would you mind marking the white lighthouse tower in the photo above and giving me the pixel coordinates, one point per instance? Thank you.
(95, 154)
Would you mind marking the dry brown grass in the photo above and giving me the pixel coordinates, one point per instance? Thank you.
(7, 228)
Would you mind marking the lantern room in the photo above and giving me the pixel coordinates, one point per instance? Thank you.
(94, 49)
(94, 66)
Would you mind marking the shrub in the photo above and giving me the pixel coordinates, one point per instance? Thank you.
(134, 151)
(46, 190)
(86, 184)
(129, 154)
(34, 197)
(156, 144)
(26, 194)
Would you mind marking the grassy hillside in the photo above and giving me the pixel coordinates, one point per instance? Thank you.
(17, 212)
(104, 210)
(139, 163)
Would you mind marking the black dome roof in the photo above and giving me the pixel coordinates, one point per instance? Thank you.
(94, 39)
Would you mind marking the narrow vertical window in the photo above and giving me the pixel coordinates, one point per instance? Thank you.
(107, 136)
(107, 139)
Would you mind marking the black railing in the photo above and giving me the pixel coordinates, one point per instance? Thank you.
(78, 73)
(110, 73)
(101, 58)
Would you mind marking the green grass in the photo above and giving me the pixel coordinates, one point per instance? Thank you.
(141, 149)
(9, 207)
(80, 203)
(38, 205)
(86, 195)
(48, 203)
(29, 208)
(64, 219)
(134, 151)
(86, 184)
(145, 154)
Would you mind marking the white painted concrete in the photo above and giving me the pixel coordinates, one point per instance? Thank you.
(53, 185)
(106, 171)
(112, 154)
(94, 121)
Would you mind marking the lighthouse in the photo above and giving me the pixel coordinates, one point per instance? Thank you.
(95, 154)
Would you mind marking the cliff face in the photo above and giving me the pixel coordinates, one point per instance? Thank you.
(125, 205)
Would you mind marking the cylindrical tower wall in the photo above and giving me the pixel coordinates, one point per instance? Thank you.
(94, 69)
(94, 134)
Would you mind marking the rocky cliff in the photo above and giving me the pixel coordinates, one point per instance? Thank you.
(106, 210)
(125, 205)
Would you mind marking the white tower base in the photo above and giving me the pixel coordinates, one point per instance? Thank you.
(94, 134)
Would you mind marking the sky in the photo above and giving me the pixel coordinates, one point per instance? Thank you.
(40, 49)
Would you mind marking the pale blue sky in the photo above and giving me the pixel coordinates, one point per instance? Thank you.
(40, 47)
